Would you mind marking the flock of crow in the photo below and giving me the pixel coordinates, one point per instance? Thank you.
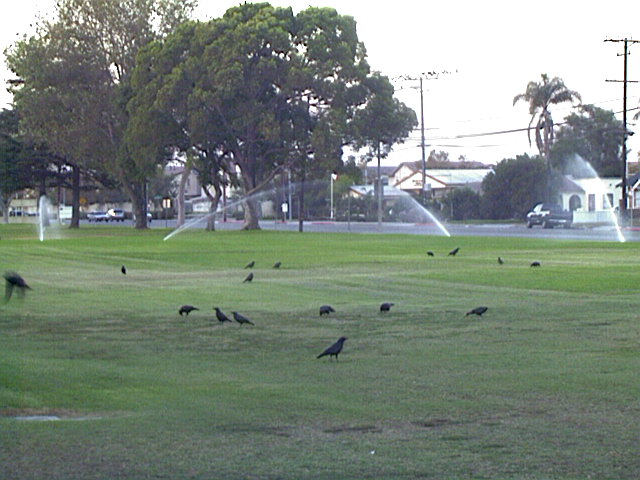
(15, 282)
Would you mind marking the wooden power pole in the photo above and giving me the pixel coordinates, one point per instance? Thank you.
(625, 132)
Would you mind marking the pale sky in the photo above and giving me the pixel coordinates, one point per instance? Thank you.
(492, 49)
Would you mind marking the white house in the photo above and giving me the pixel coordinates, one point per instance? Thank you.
(438, 181)
(590, 199)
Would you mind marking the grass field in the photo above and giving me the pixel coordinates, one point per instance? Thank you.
(543, 386)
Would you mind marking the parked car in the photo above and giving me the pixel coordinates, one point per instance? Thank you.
(549, 215)
(98, 216)
(116, 215)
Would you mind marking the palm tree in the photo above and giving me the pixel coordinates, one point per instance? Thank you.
(541, 95)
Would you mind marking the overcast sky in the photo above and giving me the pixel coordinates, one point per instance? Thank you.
(491, 50)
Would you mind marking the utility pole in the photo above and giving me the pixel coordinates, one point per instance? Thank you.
(625, 133)
(426, 75)
(422, 148)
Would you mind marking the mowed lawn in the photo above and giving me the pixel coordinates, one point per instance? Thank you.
(542, 386)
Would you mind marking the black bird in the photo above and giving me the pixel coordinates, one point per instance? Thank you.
(477, 311)
(14, 280)
(334, 350)
(386, 306)
(500, 261)
(187, 309)
(241, 319)
(277, 264)
(430, 253)
(220, 315)
(326, 310)
(535, 264)
(123, 269)
(249, 278)
(250, 264)
(454, 251)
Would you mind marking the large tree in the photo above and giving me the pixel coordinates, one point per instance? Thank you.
(73, 83)
(258, 89)
(594, 135)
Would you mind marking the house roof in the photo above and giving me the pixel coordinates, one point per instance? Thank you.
(632, 180)
(416, 166)
(442, 178)
(384, 170)
(568, 185)
(387, 190)
(593, 184)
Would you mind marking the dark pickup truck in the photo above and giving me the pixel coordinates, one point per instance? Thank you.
(549, 215)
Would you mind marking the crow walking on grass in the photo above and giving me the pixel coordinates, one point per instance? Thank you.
(250, 264)
(477, 311)
(500, 261)
(249, 278)
(14, 280)
(454, 251)
(241, 319)
(187, 309)
(386, 306)
(326, 310)
(535, 264)
(334, 350)
(277, 265)
(430, 253)
(123, 269)
(221, 316)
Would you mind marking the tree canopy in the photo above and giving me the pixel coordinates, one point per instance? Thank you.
(73, 78)
(259, 88)
(593, 134)
(513, 187)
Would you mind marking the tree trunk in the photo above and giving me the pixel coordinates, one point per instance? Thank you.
(180, 200)
(138, 195)
(211, 218)
(5, 208)
(75, 197)
(301, 201)
(251, 215)
(251, 205)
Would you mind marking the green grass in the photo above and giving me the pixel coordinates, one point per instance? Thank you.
(543, 386)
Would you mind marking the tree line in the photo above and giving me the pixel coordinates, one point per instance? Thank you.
(107, 93)
(115, 90)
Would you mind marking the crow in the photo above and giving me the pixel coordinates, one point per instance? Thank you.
(477, 311)
(220, 315)
(500, 261)
(454, 251)
(535, 264)
(430, 253)
(326, 310)
(250, 264)
(123, 269)
(334, 350)
(241, 319)
(386, 306)
(187, 309)
(277, 264)
(14, 280)
(249, 278)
